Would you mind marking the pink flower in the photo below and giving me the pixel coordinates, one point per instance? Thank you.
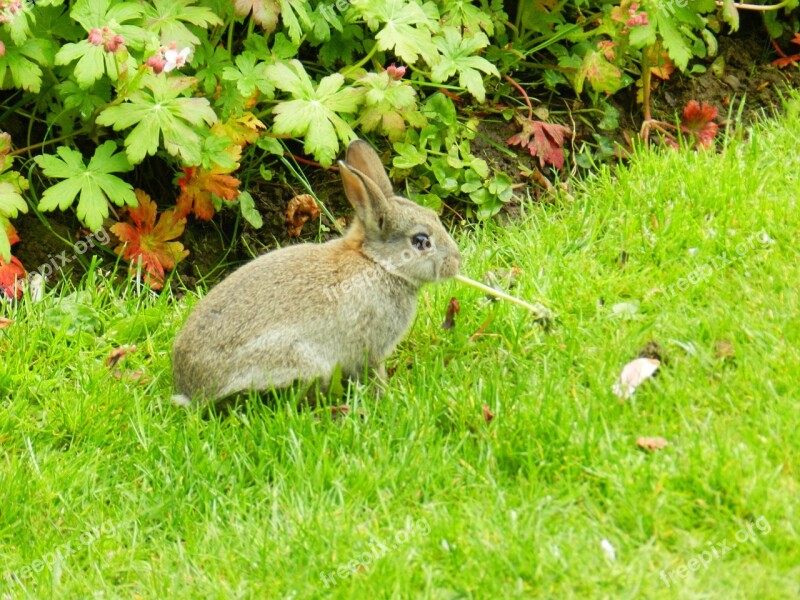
(2, 49)
(95, 37)
(156, 62)
(395, 72)
(113, 44)
(636, 18)
(106, 38)
(640, 19)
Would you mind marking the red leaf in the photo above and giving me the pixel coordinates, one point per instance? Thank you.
(147, 241)
(12, 274)
(663, 66)
(698, 120)
(13, 238)
(545, 140)
(785, 61)
(199, 183)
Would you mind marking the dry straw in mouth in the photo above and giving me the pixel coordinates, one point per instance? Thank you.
(540, 311)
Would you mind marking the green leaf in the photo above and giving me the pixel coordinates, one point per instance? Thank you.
(91, 61)
(270, 144)
(249, 75)
(23, 63)
(216, 153)
(11, 204)
(672, 29)
(168, 19)
(17, 23)
(463, 13)
(388, 105)
(249, 212)
(85, 101)
(314, 112)
(131, 329)
(159, 112)
(406, 27)
(408, 156)
(343, 46)
(730, 14)
(603, 75)
(440, 108)
(292, 13)
(74, 314)
(122, 18)
(94, 182)
(458, 56)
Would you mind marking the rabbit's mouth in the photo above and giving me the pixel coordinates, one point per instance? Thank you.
(449, 267)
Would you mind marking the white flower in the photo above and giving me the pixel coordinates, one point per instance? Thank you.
(175, 59)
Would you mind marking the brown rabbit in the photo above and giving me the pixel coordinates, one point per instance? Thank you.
(296, 313)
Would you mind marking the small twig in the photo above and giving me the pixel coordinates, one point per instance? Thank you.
(524, 95)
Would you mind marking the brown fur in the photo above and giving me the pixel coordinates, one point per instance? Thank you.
(296, 313)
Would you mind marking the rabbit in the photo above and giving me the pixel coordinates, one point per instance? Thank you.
(296, 313)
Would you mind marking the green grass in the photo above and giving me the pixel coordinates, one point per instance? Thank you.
(259, 503)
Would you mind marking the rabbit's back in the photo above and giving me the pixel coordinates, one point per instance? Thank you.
(291, 314)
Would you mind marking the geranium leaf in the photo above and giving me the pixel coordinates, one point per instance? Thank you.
(168, 19)
(93, 183)
(458, 56)
(313, 112)
(198, 185)
(148, 243)
(406, 27)
(160, 112)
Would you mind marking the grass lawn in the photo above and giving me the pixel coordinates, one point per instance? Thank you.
(108, 491)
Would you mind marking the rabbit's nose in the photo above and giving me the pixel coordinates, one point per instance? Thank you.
(451, 264)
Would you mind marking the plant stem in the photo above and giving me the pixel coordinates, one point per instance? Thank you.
(540, 311)
(533, 65)
(46, 142)
(646, 82)
(524, 95)
(757, 7)
(362, 62)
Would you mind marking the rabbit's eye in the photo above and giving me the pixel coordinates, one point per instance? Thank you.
(421, 242)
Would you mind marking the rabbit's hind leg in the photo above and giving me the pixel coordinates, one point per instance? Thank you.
(277, 368)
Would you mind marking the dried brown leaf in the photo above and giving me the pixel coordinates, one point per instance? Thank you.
(487, 414)
(453, 308)
(301, 208)
(651, 443)
(117, 354)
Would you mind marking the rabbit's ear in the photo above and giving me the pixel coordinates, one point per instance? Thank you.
(366, 197)
(363, 158)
